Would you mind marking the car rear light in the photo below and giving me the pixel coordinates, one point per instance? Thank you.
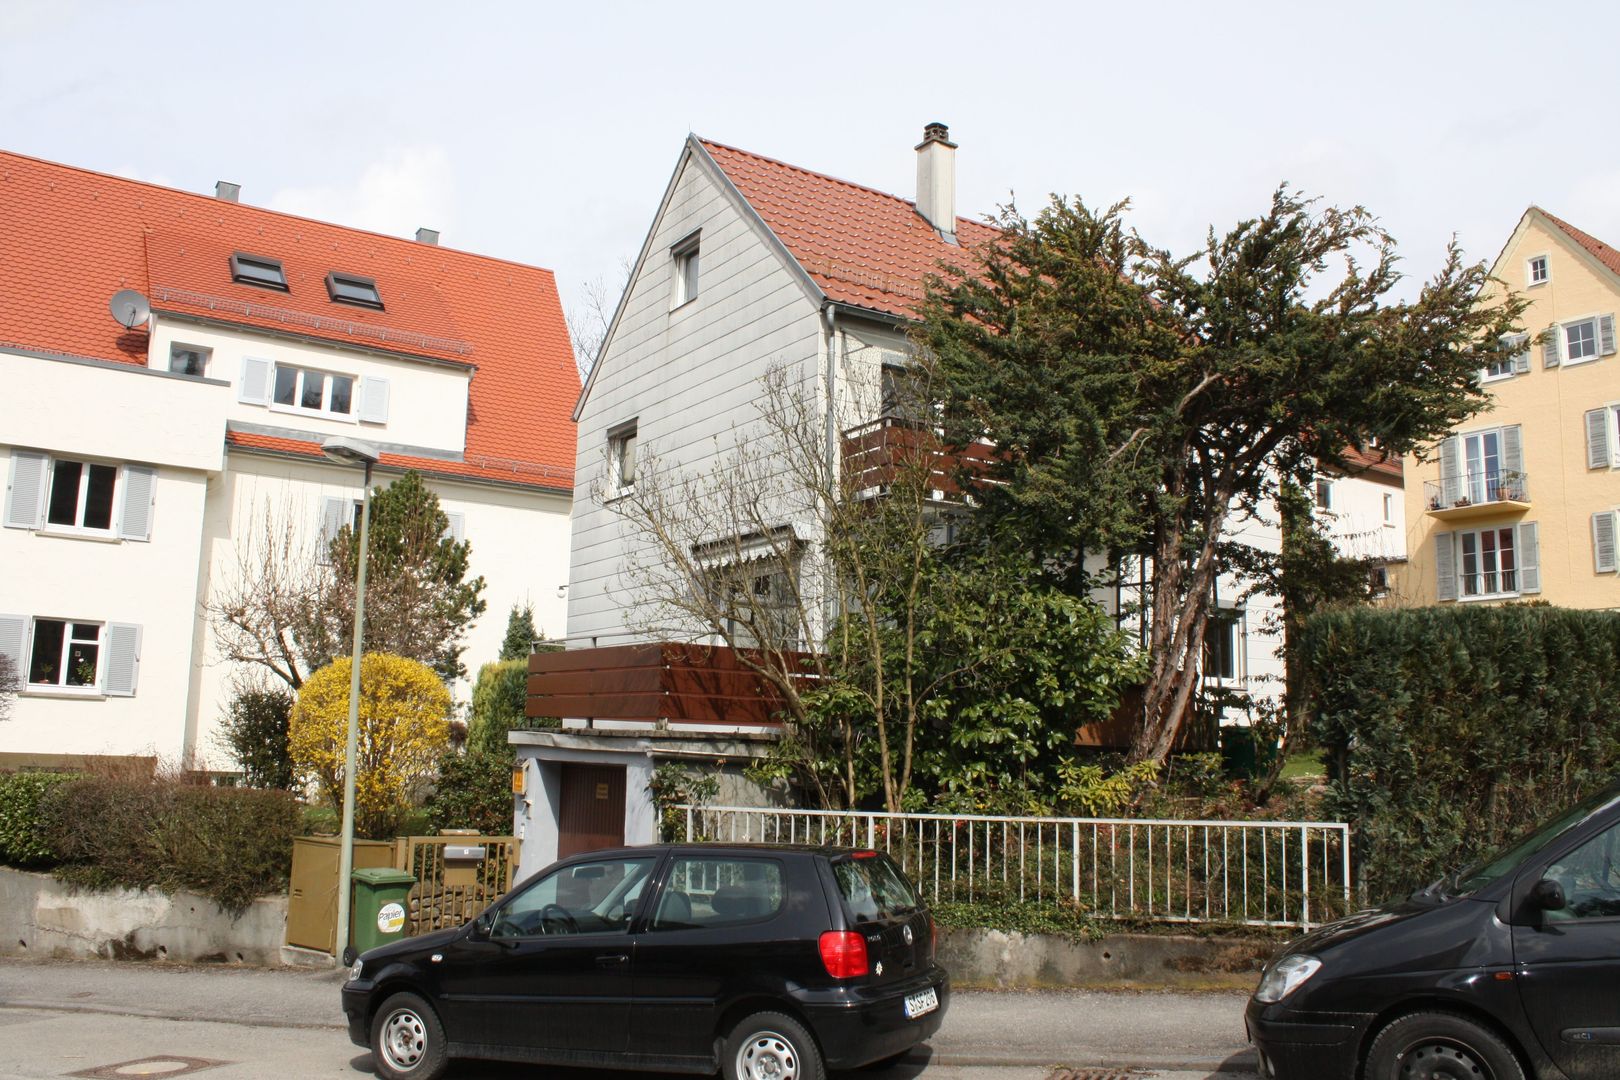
(843, 952)
(864, 855)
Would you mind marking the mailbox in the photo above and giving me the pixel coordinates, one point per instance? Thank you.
(462, 863)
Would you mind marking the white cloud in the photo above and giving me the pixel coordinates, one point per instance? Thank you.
(410, 187)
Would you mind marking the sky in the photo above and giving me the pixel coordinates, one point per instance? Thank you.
(546, 133)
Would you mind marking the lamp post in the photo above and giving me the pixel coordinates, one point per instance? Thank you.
(347, 451)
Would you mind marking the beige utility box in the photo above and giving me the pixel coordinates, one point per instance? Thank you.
(312, 895)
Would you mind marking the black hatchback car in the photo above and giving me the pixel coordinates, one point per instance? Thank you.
(1506, 970)
(763, 962)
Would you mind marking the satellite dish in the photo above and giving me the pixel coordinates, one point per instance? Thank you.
(130, 308)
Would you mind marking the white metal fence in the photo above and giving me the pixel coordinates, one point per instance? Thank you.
(1253, 873)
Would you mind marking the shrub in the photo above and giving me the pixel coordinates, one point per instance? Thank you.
(404, 727)
(229, 844)
(1449, 731)
(474, 792)
(498, 699)
(24, 841)
(255, 731)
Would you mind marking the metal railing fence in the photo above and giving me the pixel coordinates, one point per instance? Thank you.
(1252, 873)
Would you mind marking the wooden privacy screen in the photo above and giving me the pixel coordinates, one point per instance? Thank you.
(683, 684)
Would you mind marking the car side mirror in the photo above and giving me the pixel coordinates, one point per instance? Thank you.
(1548, 895)
(481, 925)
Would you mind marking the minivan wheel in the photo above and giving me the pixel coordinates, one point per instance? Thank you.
(407, 1040)
(770, 1046)
(1440, 1046)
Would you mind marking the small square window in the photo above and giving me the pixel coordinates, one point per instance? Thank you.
(685, 258)
(1389, 509)
(353, 289)
(1536, 270)
(622, 459)
(188, 359)
(1580, 341)
(258, 270)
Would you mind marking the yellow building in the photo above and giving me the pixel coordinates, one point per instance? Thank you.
(1520, 501)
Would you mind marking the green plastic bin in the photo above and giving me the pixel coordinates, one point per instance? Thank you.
(381, 899)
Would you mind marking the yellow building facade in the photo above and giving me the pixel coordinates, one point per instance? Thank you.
(1520, 502)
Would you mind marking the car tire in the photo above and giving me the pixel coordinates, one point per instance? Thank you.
(1452, 1045)
(407, 1040)
(771, 1046)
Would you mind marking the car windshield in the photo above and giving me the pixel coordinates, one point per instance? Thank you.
(1506, 861)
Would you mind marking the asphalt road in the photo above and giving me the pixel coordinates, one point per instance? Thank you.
(72, 1017)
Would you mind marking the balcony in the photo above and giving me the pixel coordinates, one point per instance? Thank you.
(1476, 494)
(889, 448)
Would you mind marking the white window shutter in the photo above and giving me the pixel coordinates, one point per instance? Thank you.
(1606, 334)
(14, 642)
(140, 485)
(1603, 554)
(457, 527)
(1598, 454)
(1550, 346)
(254, 386)
(1445, 564)
(123, 659)
(1451, 478)
(374, 400)
(1529, 555)
(1521, 354)
(333, 511)
(1512, 454)
(25, 490)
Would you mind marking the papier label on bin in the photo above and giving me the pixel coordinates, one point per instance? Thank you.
(391, 919)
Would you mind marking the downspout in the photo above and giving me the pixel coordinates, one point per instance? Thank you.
(829, 319)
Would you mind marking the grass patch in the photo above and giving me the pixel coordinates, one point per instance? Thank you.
(1306, 766)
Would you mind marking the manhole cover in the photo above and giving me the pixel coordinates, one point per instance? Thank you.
(162, 1065)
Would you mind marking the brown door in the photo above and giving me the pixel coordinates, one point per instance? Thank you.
(592, 812)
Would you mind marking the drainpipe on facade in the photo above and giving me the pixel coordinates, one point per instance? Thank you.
(829, 319)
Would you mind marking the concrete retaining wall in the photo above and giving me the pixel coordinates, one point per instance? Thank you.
(1014, 961)
(39, 916)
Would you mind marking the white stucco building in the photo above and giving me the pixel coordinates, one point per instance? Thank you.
(144, 461)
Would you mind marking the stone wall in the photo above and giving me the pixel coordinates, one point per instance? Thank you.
(994, 959)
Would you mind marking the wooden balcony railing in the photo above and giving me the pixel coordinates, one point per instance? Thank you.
(891, 449)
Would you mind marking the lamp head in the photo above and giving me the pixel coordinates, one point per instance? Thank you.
(347, 451)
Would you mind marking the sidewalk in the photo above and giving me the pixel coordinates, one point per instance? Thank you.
(1180, 1031)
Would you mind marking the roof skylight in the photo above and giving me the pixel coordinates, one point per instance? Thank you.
(353, 289)
(258, 270)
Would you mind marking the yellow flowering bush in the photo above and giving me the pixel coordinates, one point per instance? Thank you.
(404, 727)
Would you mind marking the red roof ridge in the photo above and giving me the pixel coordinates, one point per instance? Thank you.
(828, 176)
(1604, 253)
(212, 201)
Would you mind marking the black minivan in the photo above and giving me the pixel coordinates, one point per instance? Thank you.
(762, 962)
(1508, 969)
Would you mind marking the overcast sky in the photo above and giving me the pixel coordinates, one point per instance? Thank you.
(546, 133)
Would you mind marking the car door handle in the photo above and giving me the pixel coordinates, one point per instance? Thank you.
(615, 960)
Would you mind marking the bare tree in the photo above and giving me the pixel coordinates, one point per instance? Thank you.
(589, 321)
(260, 606)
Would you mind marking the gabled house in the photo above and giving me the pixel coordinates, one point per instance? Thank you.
(169, 365)
(751, 264)
(1520, 501)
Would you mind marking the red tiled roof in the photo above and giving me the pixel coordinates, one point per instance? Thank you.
(862, 247)
(70, 238)
(1371, 461)
(1600, 251)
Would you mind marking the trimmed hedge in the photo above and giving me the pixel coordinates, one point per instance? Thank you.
(1448, 731)
(23, 842)
(498, 700)
(229, 844)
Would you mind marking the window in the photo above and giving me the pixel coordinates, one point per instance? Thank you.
(313, 391)
(1536, 271)
(64, 654)
(872, 889)
(81, 495)
(719, 891)
(1389, 509)
(1324, 494)
(587, 898)
(1514, 359)
(757, 602)
(684, 257)
(188, 359)
(1378, 580)
(1590, 876)
(353, 289)
(258, 270)
(1488, 567)
(622, 459)
(58, 654)
(1580, 341)
(1223, 645)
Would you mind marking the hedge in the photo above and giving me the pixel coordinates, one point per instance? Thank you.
(229, 844)
(1450, 730)
(23, 842)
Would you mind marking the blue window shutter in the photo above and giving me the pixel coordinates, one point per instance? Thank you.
(25, 490)
(1529, 555)
(123, 660)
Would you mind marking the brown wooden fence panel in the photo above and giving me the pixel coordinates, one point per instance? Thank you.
(449, 894)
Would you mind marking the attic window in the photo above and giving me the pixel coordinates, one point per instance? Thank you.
(353, 289)
(258, 270)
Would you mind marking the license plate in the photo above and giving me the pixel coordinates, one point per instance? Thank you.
(923, 1001)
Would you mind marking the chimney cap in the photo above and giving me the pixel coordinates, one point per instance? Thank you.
(225, 191)
(936, 132)
(427, 236)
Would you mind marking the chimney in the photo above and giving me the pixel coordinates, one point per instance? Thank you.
(225, 191)
(427, 236)
(936, 181)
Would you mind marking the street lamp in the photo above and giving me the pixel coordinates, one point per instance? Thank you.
(347, 451)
